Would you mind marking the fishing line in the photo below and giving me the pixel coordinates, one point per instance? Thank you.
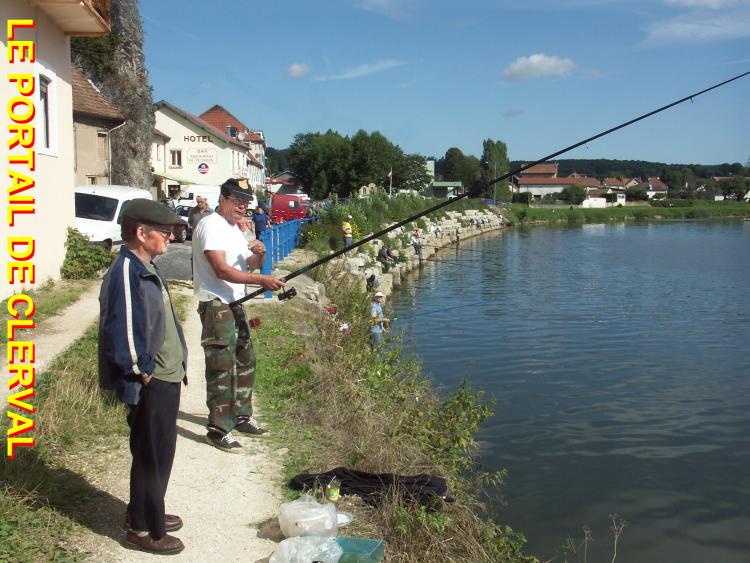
(474, 188)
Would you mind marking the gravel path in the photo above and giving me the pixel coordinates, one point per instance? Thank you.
(222, 498)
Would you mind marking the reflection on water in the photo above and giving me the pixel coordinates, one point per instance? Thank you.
(618, 359)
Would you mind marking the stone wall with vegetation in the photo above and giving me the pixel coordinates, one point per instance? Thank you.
(116, 64)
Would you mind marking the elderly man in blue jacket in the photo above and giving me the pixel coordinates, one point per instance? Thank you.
(142, 357)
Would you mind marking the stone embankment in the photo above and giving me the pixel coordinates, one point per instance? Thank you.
(438, 234)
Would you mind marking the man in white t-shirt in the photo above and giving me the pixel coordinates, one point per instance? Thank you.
(223, 261)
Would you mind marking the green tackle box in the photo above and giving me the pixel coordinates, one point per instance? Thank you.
(361, 550)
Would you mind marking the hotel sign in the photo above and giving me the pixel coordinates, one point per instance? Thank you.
(199, 156)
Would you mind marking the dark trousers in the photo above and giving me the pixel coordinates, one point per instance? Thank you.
(153, 436)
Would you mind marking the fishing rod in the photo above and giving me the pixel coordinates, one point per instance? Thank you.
(478, 186)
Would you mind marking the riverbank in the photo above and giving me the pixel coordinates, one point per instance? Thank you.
(519, 214)
(436, 233)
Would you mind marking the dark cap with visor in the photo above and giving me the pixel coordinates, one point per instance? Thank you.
(238, 189)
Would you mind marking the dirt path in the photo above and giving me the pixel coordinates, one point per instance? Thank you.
(222, 498)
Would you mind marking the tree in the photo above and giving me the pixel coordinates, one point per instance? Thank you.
(372, 158)
(451, 164)
(410, 172)
(678, 180)
(734, 188)
(574, 195)
(637, 193)
(494, 163)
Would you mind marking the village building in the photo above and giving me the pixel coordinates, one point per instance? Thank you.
(283, 183)
(540, 186)
(54, 154)
(195, 152)
(94, 118)
(220, 119)
(656, 188)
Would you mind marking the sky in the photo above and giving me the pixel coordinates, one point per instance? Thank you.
(434, 74)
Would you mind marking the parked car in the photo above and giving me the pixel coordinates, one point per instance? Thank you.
(184, 211)
(285, 207)
(182, 230)
(99, 211)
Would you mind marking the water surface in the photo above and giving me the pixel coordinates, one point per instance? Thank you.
(618, 358)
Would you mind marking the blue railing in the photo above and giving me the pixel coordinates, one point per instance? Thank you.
(280, 240)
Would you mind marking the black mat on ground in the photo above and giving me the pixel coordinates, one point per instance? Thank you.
(371, 487)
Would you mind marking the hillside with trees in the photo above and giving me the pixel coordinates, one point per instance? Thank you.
(610, 168)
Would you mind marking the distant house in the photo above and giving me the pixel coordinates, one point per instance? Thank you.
(616, 184)
(544, 170)
(444, 189)
(540, 186)
(283, 183)
(656, 188)
(219, 118)
(632, 183)
(94, 117)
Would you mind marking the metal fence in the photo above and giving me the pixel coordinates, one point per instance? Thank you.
(280, 240)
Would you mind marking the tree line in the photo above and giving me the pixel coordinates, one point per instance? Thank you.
(330, 163)
(611, 168)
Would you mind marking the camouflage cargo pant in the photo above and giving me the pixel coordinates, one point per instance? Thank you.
(230, 363)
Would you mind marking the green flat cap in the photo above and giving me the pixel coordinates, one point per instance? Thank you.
(237, 188)
(151, 213)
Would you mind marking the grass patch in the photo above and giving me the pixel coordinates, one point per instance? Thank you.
(699, 210)
(332, 401)
(44, 500)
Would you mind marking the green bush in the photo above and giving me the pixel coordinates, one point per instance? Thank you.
(83, 260)
(672, 203)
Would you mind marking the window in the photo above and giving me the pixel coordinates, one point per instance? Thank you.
(44, 110)
(159, 152)
(46, 120)
(176, 157)
(102, 145)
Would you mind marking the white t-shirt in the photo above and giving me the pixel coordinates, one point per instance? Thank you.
(215, 233)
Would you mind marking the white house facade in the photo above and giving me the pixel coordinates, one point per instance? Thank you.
(196, 152)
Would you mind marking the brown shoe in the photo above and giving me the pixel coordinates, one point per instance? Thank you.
(166, 545)
(172, 523)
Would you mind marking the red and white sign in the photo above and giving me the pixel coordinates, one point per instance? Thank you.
(203, 168)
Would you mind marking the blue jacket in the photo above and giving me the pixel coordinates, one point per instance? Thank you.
(131, 326)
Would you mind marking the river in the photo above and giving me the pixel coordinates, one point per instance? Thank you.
(618, 359)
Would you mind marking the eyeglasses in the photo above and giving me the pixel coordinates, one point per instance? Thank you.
(238, 202)
(164, 230)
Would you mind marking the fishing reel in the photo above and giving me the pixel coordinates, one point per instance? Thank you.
(287, 294)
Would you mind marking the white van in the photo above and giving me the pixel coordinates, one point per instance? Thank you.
(190, 192)
(99, 211)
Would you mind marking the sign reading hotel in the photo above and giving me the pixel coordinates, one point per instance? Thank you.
(201, 155)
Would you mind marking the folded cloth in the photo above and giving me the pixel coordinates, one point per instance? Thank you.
(371, 487)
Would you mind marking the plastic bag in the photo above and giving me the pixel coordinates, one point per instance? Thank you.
(307, 549)
(307, 517)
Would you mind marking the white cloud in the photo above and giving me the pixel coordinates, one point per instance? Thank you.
(538, 65)
(512, 112)
(363, 70)
(712, 4)
(701, 26)
(298, 69)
